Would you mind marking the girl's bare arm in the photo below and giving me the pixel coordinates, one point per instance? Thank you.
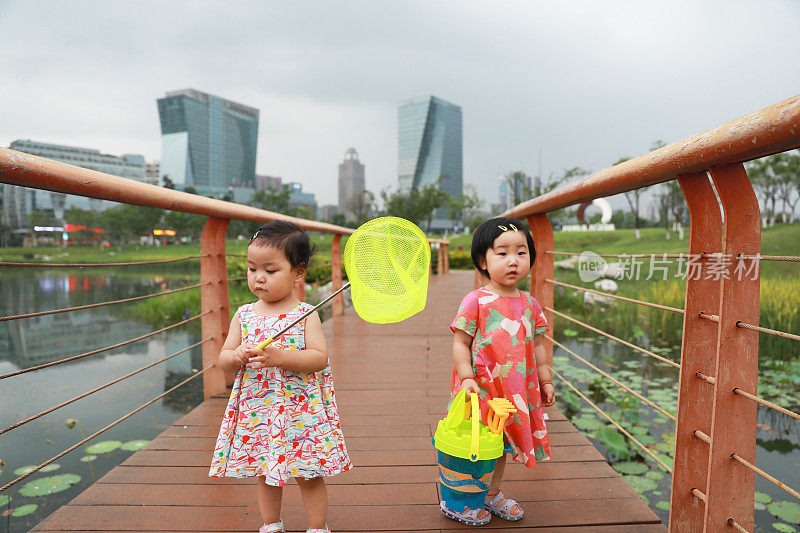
(462, 359)
(545, 371)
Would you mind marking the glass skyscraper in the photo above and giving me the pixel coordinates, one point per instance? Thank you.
(207, 142)
(430, 148)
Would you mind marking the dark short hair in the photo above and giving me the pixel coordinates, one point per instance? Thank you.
(287, 237)
(484, 236)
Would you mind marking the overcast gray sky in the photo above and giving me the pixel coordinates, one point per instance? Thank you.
(584, 82)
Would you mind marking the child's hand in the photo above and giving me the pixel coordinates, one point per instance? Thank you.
(471, 385)
(268, 357)
(240, 356)
(548, 395)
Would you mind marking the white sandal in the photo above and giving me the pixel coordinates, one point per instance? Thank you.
(469, 517)
(503, 511)
(275, 527)
(326, 530)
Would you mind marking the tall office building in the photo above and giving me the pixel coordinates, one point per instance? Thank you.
(351, 182)
(430, 148)
(19, 202)
(207, 142)
(515, 187)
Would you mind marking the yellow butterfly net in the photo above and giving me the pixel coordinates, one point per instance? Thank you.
(387, 261)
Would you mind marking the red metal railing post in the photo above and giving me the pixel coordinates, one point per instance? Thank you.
(214, 301)
(733, 420)
(543, 268)
(336, 275)
(698, 349)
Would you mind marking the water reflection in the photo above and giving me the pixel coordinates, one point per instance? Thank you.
(32, 341)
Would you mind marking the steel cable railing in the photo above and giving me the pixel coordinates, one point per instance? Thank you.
(624, 299)
(99, 350)
(612, 378)
(625, 432)
(101, 387)
(762, 401)
(96, 433)
(612, 337)
(766, 476)
(99, 265)
(102, 304)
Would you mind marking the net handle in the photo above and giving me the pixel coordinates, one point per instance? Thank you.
(263, 344)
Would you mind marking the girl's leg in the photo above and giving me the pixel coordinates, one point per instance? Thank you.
(315, 499)
(497, 479)
(269, 501)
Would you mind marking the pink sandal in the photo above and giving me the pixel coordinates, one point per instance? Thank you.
(503, 511)
(469, 517)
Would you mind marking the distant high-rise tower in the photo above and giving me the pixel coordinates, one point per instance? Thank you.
(207, 142)
(430, 147)
(351, 181)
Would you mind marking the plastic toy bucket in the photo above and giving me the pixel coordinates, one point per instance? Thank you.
(467, 455)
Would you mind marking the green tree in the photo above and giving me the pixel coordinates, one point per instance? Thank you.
(126, 222)
(273, 200)
(633, 197)
(339, 219)
(185, 224)
(39, 218)
(462, 208)
(361, 205)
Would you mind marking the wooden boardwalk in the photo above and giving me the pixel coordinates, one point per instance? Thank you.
(392, 387)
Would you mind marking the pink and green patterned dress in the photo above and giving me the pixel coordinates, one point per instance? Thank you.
(502, 328)
(279, 423)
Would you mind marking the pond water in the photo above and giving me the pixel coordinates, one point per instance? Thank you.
(29, 342)
(778, 436)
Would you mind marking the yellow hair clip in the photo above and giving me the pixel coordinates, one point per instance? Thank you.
(502, 227)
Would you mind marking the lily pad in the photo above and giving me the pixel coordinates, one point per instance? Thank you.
(760, 497)
(786, 511)
(21, 471)
(570, 332)
(587, 423)
(640, 483)
(4, 499)
(614, 442)
(645, 499)
(49, 485)
(630, 467)
(758, 506)
(654, 474)
(50, 467)
(24, 509)
(134, 445)
(785, 528)
(88, 458)
(663, 505)
(104, 446)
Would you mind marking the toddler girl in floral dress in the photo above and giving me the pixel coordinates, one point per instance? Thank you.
(498, 352)
(281, 421)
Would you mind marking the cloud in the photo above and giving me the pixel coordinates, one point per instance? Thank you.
(583, 82)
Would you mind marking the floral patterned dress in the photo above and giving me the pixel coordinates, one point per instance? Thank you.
(502, 328)
(279, 423)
